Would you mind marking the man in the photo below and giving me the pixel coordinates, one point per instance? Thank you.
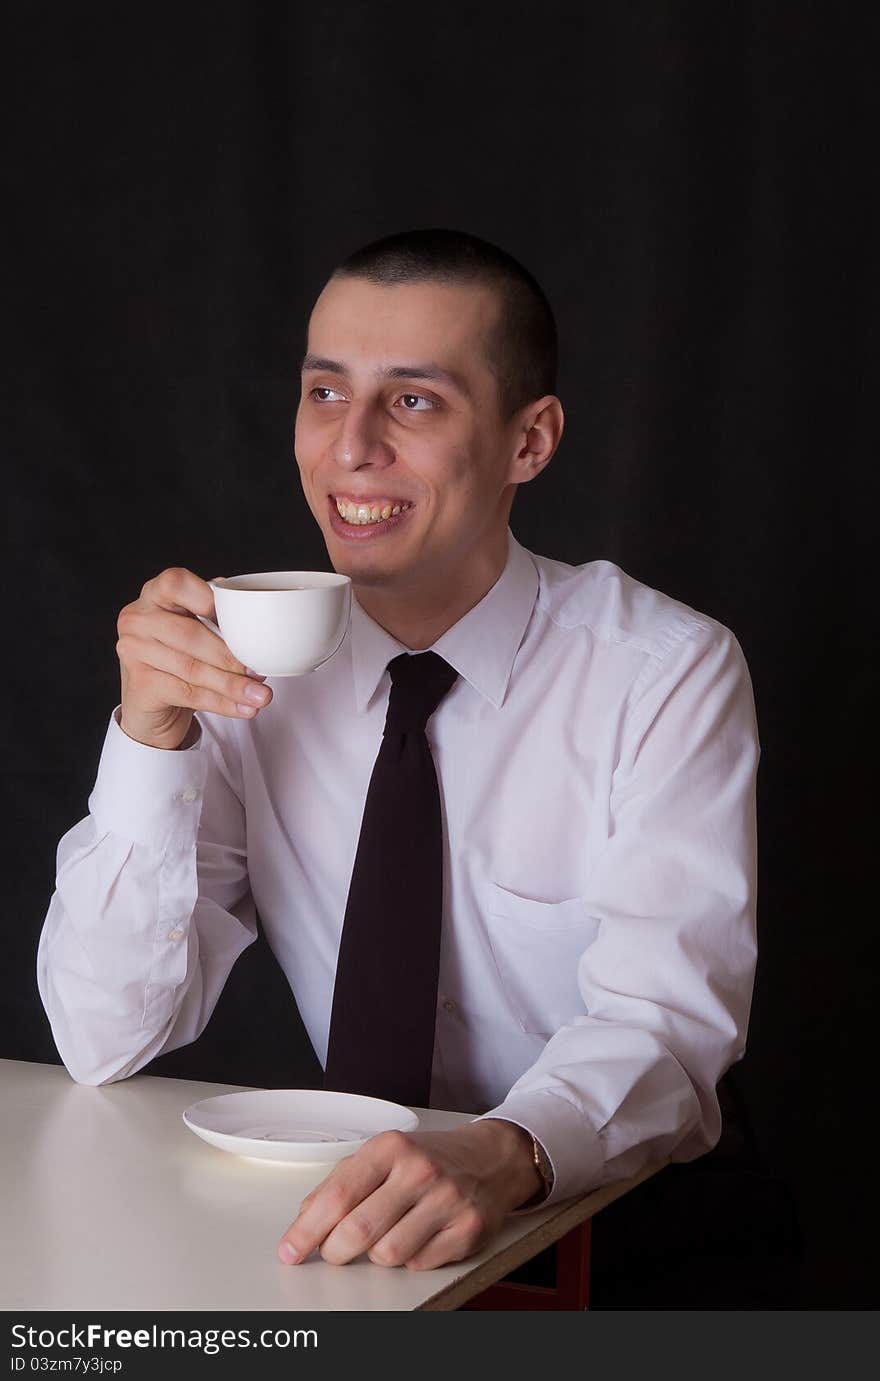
(595, 760)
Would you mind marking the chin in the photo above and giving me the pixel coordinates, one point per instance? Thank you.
(365, 571)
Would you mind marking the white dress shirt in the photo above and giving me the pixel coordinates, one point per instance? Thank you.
(596, 758)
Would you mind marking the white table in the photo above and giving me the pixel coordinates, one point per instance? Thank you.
(111, 1203)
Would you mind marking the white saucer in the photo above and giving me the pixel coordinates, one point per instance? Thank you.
(295, 1126)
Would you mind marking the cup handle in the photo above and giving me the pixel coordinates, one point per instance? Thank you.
(208, 624)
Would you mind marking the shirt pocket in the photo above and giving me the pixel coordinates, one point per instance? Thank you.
(537, 946)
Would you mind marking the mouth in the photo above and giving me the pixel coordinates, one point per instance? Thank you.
(363, 520)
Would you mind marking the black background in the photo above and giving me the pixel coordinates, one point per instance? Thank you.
(690, 184)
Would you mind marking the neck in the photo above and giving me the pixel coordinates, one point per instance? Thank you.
(418, 616)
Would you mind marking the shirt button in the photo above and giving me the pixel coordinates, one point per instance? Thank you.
(175, 935)
(189, 795)
(449, 1005)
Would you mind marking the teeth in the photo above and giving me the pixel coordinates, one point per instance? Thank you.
(362, 514)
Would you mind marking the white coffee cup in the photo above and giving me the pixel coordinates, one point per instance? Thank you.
(282, 623)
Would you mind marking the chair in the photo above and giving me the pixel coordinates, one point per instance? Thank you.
(717, 1232)
(557, 1278)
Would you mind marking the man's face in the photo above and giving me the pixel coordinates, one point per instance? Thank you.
(373, 432)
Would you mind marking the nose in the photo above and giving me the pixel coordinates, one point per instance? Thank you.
(360, 439)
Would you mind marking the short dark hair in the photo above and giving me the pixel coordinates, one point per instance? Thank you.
(522, 346)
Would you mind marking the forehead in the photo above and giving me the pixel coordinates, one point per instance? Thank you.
(371, 324)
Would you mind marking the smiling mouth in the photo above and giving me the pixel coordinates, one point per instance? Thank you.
(359, 513)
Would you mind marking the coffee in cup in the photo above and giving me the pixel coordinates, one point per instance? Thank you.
(282, 623)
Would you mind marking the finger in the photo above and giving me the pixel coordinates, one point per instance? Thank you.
(207, 645)
(416, 1192)
(347, 1185)
(145, 679)
(461, 1238)
(187, 634)
(191, 670)
(374, 1220)
(407, 1232)
(181, 591)
(190, 637)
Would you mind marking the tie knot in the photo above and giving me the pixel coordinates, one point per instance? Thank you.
(419, 682)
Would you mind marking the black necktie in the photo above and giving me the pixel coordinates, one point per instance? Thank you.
(385, 997)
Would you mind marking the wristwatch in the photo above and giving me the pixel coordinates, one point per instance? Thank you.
(544, 1169)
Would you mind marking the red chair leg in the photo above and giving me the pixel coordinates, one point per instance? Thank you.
(572, 1289)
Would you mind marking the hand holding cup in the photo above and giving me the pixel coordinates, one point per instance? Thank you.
(172, 664)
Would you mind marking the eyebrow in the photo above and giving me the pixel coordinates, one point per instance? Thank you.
(429, 371)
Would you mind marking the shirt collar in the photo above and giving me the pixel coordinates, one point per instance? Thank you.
(482, 646)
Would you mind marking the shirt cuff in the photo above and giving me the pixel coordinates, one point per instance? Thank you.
(152, 796)
(572, 1144)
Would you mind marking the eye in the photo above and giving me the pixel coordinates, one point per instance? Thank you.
(410, 401)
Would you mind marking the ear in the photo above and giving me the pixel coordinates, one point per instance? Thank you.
(539, 434)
